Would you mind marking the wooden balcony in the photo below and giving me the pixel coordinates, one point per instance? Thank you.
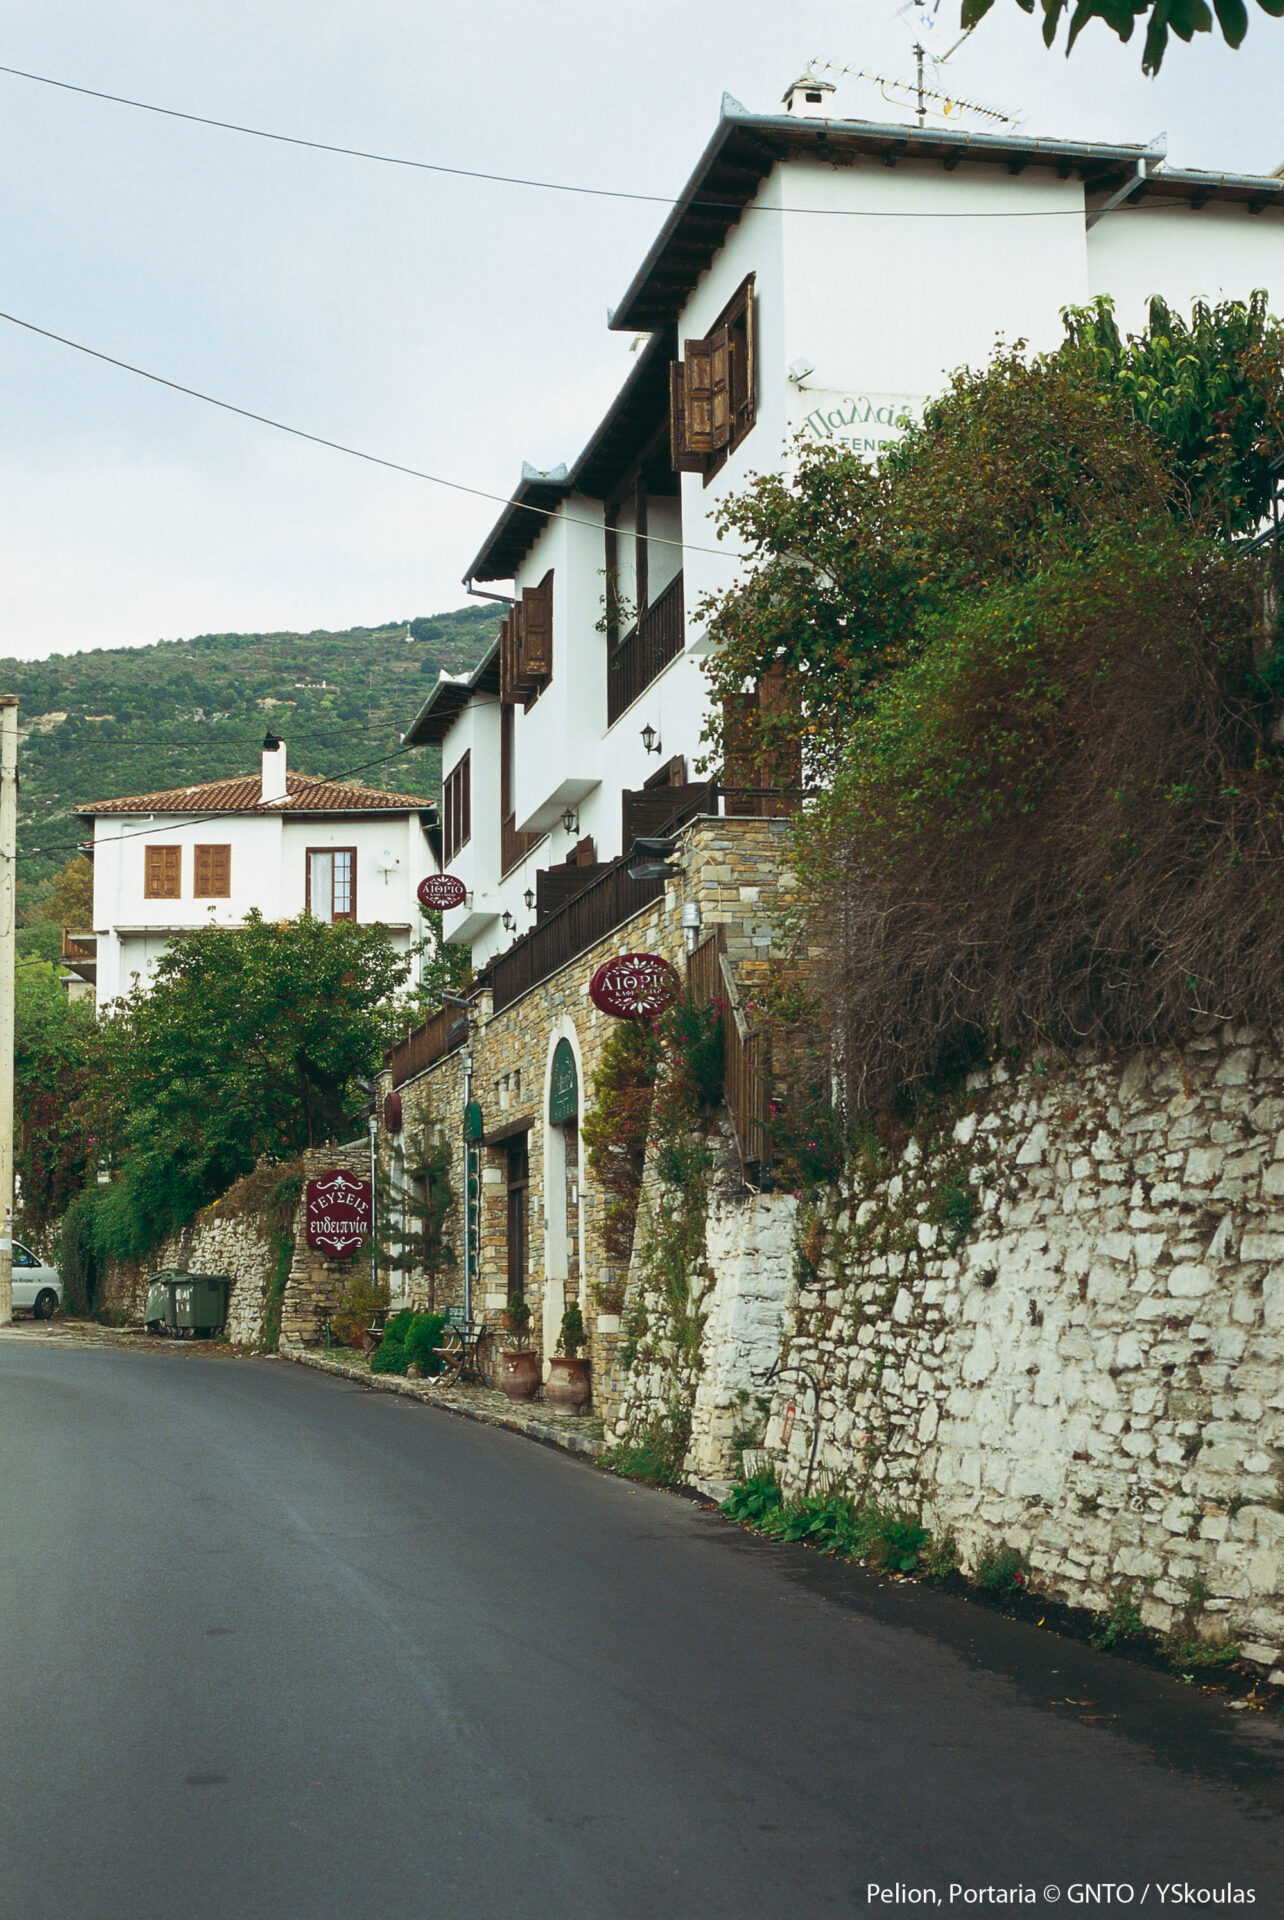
(593, 913)
(514, 846)
(446, 1030)
(746, 1051)
(80, 955)
(658, 637)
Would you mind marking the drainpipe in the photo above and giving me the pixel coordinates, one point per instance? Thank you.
(468, 1210)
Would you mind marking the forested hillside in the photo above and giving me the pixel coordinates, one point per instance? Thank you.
(95, 726)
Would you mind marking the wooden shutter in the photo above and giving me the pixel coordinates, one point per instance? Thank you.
(162, 873)
(719, 345)
(698, 389)
(744, 368)
(212, 873)
(537, 632)
(684, 459)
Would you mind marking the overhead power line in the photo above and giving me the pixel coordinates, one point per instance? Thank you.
(203, 819)
(355, 453)
(517, 179)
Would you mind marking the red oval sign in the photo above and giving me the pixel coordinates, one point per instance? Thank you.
(441, 890)
(392, 1112)
(337, 1213)
(635, 986)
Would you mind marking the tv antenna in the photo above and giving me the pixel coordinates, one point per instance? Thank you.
(916, 93)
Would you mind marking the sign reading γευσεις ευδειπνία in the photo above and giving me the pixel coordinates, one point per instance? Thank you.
(337, 1213)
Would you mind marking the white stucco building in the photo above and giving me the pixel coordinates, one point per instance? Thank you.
(279, 842)
(819, 276)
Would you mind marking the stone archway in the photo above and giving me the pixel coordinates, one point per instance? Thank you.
(563, 1230)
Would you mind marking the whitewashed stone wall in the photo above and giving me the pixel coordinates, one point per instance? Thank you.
(1090, 1369)
(750, 1251)
(739, 1290)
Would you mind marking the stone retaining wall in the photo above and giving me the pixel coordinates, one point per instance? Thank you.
(226, 1237)
(1062, 1328)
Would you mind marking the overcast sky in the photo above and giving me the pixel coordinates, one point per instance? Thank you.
(454, 325)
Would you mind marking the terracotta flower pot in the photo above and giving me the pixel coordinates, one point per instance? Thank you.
(567, 1385)
(519, 1374)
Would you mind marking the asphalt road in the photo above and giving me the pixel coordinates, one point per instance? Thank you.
(274, 1645)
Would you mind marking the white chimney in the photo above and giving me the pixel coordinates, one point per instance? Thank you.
(274, 789)
(806, 97)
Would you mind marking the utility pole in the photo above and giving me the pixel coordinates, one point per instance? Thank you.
(8, 933)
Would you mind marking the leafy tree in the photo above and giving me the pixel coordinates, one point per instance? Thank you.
(1012, 466)
(65, 900)
(1036, 674)
(1185, 18)
(54, 1048)
(1211, 390)
(248, 1043)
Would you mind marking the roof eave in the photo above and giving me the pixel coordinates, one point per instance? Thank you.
(777, 136)
(463, 690)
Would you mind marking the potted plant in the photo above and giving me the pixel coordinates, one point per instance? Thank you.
(567, 1385)
(519, 1367)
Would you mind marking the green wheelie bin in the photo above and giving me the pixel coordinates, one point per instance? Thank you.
(200, 1302)
(158, 1313)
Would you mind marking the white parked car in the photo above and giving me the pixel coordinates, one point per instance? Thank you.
(36, 1287)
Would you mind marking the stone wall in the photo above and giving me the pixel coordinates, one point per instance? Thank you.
(733, 869)
(740, 1288)
(315, 1282)
(1060, 1326)
(234, 1236)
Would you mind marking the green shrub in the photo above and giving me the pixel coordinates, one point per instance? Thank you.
(422, 1336)
(389, 1357)
(1190, 1651)
(1123, 1622)
(655, 1454)
(355, 1309)
(572, 1336)
(1001, 1570)
(754, 1498)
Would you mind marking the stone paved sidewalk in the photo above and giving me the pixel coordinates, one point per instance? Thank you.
(576, 1433)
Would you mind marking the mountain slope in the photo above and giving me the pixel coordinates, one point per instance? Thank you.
(96, 726)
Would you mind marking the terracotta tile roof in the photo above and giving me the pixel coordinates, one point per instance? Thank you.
(306, 794)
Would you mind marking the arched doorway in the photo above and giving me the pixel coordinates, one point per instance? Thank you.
(562, 1243)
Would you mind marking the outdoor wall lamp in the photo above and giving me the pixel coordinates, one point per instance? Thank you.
(691, 922)
(650, 739)
(571, 820)
(529, 898)
(508, 923)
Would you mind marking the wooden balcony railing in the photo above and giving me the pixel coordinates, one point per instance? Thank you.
(514, 846)
(446, 1030)
(602, 906)
(658, 637)
(746, 1052)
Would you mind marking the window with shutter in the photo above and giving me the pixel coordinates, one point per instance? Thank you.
(713, 389)
(537, 632)
(457, 808)
(162, 873)
(212, 873)
(526, 646)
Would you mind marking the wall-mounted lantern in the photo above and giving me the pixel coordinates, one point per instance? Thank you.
(651, 739)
